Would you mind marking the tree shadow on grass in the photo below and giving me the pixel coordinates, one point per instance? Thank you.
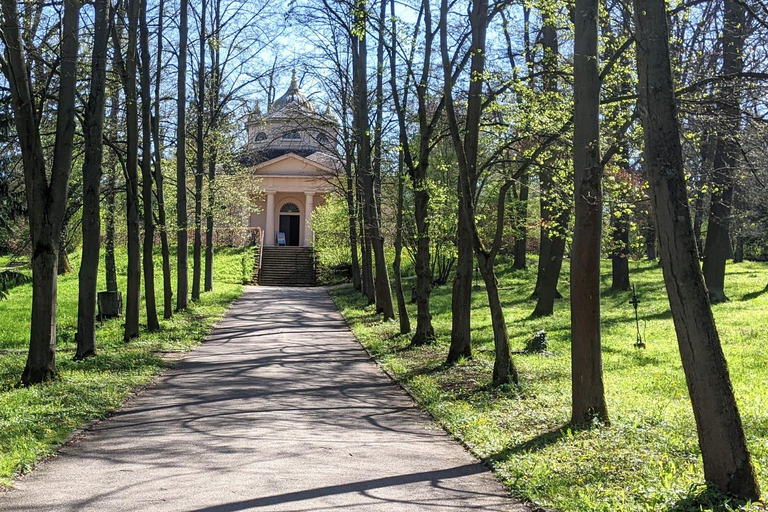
(537, 443)
(706, 497)
(753, 295)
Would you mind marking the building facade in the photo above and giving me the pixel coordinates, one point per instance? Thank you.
(291, 151)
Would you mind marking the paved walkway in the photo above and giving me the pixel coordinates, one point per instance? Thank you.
(280, 410)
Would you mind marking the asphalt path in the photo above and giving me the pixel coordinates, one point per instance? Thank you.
(280, 409)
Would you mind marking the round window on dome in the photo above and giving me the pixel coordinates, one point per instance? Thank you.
(292, 135)
(260, 137)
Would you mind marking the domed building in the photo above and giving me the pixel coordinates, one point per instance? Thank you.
(292, 150)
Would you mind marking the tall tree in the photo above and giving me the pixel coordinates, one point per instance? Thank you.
(158, 173)
(417, 159)
(182, 237)
(717, 247)
(402, 310)
(93, 128)
(46, 199)
(146, 173)
(466, 140)
(555, 215)
(112, 164)
(132, 299)
(727, 461)
(200, 159)
(215, 48)
(383, 292)
(586, 352)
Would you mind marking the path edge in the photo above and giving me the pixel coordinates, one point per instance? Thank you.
(532, 507)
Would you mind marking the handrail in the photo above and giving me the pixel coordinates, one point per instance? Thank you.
(261, 250)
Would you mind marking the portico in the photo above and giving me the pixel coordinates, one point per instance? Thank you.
(293, 187)
(293, 147)
(285, 216)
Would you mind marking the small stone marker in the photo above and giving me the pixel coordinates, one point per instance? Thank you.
(110, 305)
(538, 344)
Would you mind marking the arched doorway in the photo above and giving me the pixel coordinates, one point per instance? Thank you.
(290, 222)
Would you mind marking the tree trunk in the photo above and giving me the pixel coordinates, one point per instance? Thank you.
(200, 168)
(182, 237)
(382, 290)
(209, 234)
(425, 333)
(521, 225)
(41, 359)
(461, 298)
(110, 268)
(586, 358)
(727, 461)
(717, 248)
(555, 215)
(504, 371)
(545, 242)
(365, 246)
(550, 276)
(402, 311)
(363, 169)
(707, 162)
(650, 238)
(620, 252)
(93, 128)
(158, 176)
(132, 298)
(46, 200)
(146, 172)
(352, 216)
(213, 158)
(112, 164)
(64, 265)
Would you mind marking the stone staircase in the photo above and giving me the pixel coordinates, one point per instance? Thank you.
(287, 266)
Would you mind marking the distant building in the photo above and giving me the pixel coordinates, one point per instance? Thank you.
(292, 150)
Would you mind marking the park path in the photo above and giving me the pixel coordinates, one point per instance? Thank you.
(280, 409)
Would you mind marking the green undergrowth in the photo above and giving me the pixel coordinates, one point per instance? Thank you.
(647, 459)
(33, 421)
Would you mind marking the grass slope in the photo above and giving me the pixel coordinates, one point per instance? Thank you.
(34, 420)
(648, 458)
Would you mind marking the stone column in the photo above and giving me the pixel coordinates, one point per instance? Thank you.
(308, 206)
(269, 231)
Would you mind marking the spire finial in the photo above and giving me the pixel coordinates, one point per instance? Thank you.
(294, 81)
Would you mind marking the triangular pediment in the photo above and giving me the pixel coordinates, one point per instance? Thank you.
(291, 164)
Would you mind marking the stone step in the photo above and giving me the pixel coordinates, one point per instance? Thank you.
(287, 266)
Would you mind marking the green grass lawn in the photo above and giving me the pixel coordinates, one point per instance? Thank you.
(34, 420)
(648, 458)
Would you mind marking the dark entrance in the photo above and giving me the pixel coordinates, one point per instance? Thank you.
(289, 224)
